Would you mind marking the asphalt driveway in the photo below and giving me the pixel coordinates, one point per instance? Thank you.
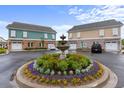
(9, 63)
(114, 61)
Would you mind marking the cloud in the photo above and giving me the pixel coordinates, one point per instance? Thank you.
(3, 30)
(98, 13)
(61, 29)
(3, 23)
(74, 10)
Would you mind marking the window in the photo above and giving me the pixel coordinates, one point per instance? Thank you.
(115, 31)
(45, 36)
(24, 34)
(78, 34)
(70, 35)
(53, 36)
(101, 32)
(30, 44)
(13, 33)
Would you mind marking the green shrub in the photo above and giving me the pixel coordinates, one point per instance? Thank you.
(76, 61)
(71, 62)
(48, 61)
(65, 72)
(62, 65)
(74, 57)
(35, 48)
(85, 62)
(74, 65)
(77, 71)
(47, 72)
(2, 50)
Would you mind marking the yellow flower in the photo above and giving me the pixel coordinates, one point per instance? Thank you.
(65, 82)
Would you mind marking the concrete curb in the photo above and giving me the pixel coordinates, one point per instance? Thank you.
(108, 80)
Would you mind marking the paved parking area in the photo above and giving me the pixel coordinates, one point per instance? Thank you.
(114, 61)
(9, 63)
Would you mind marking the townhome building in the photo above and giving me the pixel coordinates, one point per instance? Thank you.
(3, 43)
(107, 33)
(29, 36)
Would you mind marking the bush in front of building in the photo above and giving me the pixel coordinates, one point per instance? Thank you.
(34, 48)
(2, 50)
(84, 49)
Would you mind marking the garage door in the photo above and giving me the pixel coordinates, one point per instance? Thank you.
(51, 46)
(16, 46)
(111, 46)
(73, 46)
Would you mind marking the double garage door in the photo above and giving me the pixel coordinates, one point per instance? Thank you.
(17, 46)
(111, 46)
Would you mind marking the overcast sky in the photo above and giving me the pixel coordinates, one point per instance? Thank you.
(60, 18)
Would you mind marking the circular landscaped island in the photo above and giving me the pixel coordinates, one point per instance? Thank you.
(74, 70)
(50, 71)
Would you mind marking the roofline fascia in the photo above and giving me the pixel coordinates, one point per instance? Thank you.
(95, 28)
(28, 29)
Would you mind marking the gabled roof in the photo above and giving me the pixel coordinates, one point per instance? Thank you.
(30, 27)
(2, 39)
(96, 25)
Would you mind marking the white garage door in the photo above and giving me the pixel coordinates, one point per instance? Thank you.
(51, 46)
(17, 46)
(73, 46)
(111, 46)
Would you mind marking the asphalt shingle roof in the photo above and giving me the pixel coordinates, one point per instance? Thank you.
(30, 27)
(96, 25)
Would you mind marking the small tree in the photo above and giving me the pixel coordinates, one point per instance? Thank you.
(122, 41)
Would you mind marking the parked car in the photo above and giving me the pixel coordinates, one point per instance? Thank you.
(96, 48)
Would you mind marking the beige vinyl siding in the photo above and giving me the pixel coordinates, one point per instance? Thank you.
(94, 33)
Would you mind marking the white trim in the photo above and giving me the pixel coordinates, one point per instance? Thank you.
(29, 39)
(96, 38)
